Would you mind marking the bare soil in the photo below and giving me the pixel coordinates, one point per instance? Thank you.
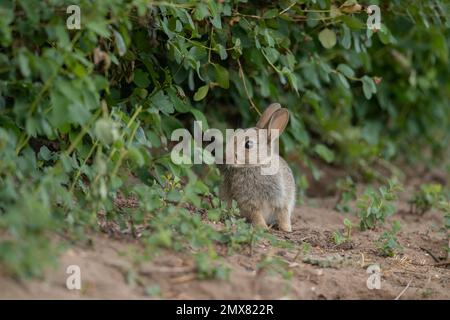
(109, 269)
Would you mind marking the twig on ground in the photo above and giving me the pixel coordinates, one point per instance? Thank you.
(404, 290)
(431, 254)
(442, 264)
(151, 270)
(251, 244)
(297, 255)
(184, 278)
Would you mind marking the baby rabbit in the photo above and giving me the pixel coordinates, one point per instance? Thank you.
(262, 198)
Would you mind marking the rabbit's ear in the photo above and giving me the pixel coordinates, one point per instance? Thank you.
(265, 118)
(278, 121)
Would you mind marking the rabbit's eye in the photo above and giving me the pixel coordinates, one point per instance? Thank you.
(248, 144)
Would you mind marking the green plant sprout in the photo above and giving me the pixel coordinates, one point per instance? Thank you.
(374, 207)
(340, 238)
(387, 243)
(425, 198)
(444, 206)
(346, 193)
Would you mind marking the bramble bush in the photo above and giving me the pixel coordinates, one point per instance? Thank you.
(82, 111)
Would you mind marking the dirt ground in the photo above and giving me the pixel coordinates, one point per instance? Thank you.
(109, 269)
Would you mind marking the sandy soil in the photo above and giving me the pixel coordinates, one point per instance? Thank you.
(108, 269)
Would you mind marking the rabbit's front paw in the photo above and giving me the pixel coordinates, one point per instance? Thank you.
(286, 227)
(284, 220)
(258, 221)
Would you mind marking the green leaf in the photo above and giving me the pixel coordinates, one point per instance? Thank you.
(179, 104)
(45, 153)
(324, 152)
(269, 14)
(352, 22)
(312, 19)
(201, 11)
(327, 38)
(272, 54)
(24, 65)
(199, 116)
(385, 35)
(270, 41)
(121, 48)
(78, 113)
(292, 78)
(346, 70)
(154, 139)
(215, 9)
(343, 81)
(100, 27)
(201, 92)
(439, 45)
(106, 131)
(222, 51)
(346, 40)
(369, 87)
(136, 156)
(222, 76)
(348, 223)
(141, 78)
(161, 102)
(367, 91)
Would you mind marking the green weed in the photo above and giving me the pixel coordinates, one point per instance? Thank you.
(425, 198)
(374, 207)
(346, 189)
(387, 243)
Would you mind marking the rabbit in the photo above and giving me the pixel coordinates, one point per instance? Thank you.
(262, 199)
